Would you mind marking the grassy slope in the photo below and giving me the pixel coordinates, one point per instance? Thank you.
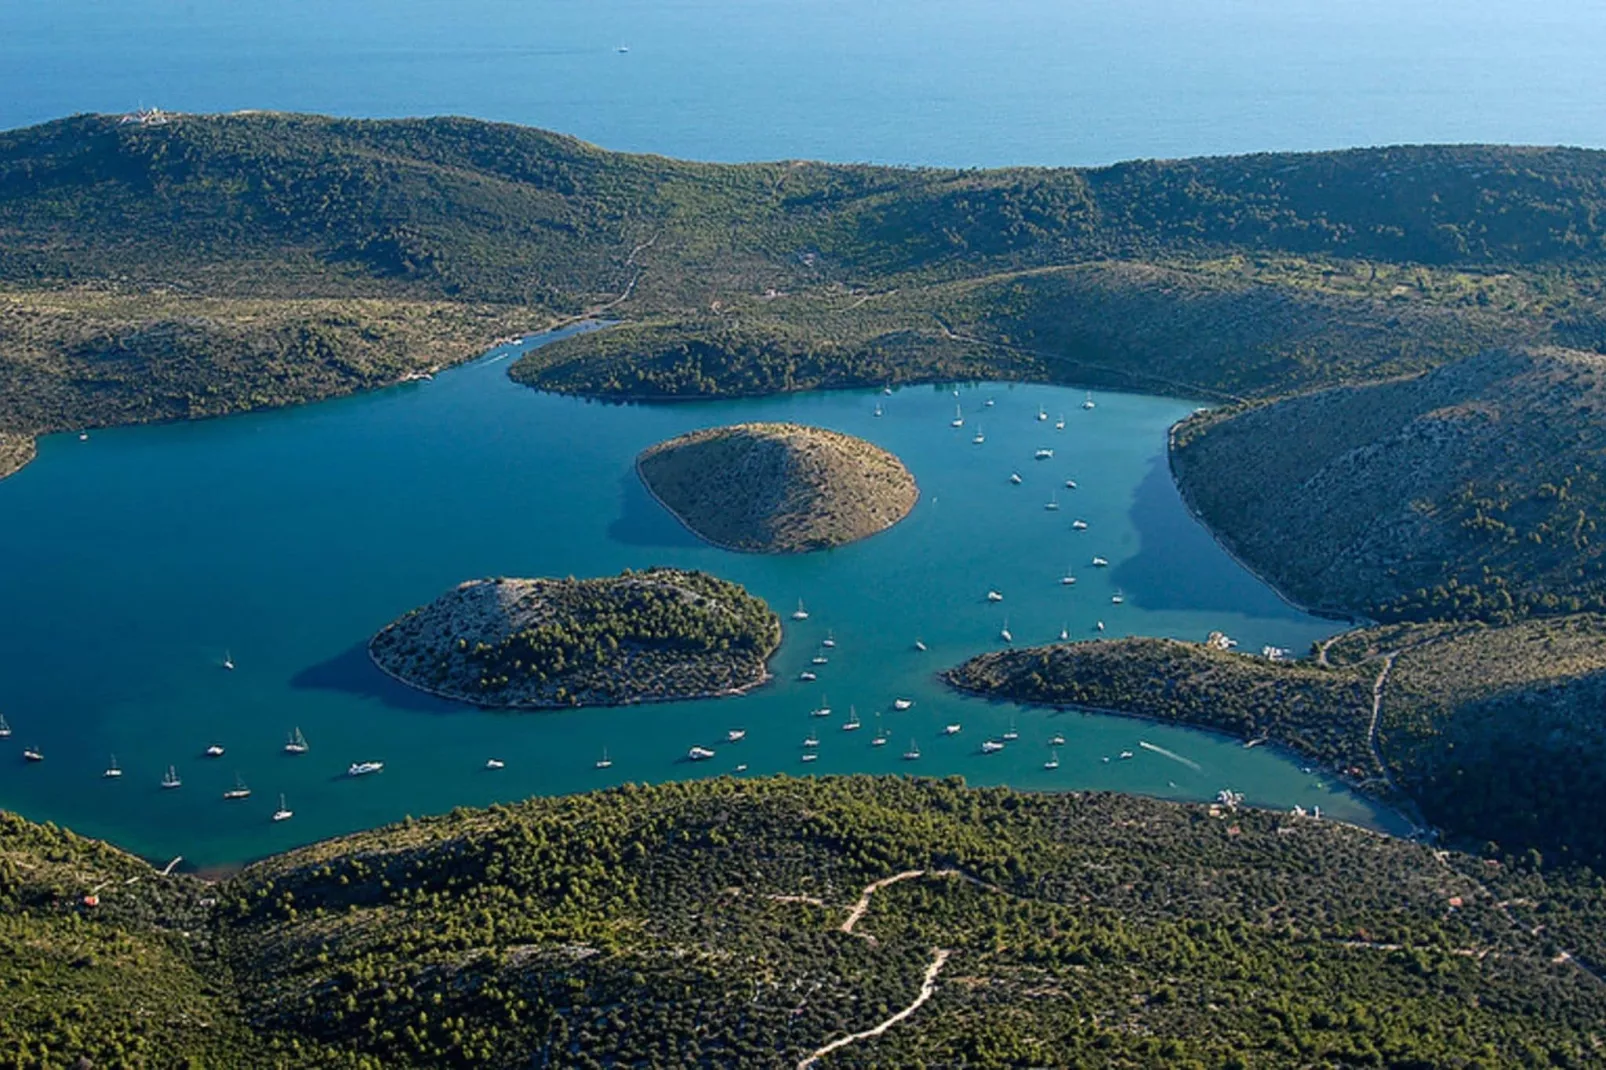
(778, 488)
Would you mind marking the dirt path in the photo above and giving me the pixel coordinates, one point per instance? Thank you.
(927, 988)
(860, 908)
(1377, 713)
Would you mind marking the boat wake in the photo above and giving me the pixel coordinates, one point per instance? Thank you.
(1173, 755)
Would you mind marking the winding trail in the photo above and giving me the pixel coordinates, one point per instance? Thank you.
(1377, 713)
(862, 907)
(927, 988)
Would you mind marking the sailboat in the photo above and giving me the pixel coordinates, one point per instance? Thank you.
(228, 661)
(987, 404)
(958, 420)
(1070, 484)
(1117, 598)
(880, 739)
(5, 729)
(1014, 477)
(1053, 502)
(604, 762)
(1057, 741)
(878, 411)
(736, 735)
(1012, 734)
(902, 703)
(170, 779)
(913, 753)
(112, 771)
(819, 659)
(1069, 578)
(852, 723)
(830, 639)
(994, 596)
(1065, 633)
(1003, 632)
(1053, 760)
(239, 791)
(33, 754)
(296, 743)
(283, 813)
(920, 645)
(800, 613)
(1088, 404)
(1059, 425)
(213, 750)
(978, 438)
(1042, 413)
(823, 709)
(495, 763)
(812, 741)
(1079, 525)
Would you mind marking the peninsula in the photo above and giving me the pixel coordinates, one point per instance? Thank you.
(654, 636)
(778, 488)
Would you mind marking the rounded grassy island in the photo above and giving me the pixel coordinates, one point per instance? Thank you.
(778, 488)
(654, 636)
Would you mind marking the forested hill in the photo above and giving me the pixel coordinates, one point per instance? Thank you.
(488, 211)
(733, 923)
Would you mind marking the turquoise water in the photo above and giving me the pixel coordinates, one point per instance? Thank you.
(131, 564)
(960, 82)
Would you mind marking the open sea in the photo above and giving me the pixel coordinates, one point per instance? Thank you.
(133, 563)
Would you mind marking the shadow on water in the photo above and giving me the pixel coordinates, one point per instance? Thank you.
(643, 522)
(1177, 566)
(353, 673)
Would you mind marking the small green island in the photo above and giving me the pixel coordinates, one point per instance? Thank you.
(660, 635)
(778, 488)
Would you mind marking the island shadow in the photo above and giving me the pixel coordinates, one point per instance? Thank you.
(643, 522)
(1179, 565)
(353, 673)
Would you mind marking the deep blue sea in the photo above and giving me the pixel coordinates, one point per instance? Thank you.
(131, 564)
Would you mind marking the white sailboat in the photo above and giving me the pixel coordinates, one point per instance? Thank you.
(958, 420)
(1014, 477)
(228, 661)
(994, 596)
(913, 753)
(1043, 454)
(1079, 525)
(1069, 579)
(283, 813)
(170, 779)
(920, 645)
(1053, 502)
(1053, 760)
(33, 754)
(978, 438)
(699, 754)
(492, 764)
(852, 723)
(880, 739)
(239, 791)
(1059, 425)
(5, 729)
(1100, 562)
(800, 613)
(823, 709)
(1088, 404)
(1070, 484)
(214, 750)
(1042, 413)
(878, 411)
(1011, 735)
(1065, 633)
(1117, 598)
(736, 735)
(296, 743)
(603, 762)
(902, 703)
(1003, 633)
(113, 771)
(811, 740)
(991, 746)
(950, 730)
(829, 641)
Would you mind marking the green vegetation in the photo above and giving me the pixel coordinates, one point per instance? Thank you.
(714, 923)
(1495, 734)
(778, 488)
(657, 635)
(1323, 714)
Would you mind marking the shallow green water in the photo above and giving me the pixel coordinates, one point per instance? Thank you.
(131, 564)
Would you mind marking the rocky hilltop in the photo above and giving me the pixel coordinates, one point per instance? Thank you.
(653, 636)
(778, 488)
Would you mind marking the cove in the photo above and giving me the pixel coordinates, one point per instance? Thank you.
(132, 563)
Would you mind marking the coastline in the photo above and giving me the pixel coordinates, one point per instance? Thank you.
(16, 451)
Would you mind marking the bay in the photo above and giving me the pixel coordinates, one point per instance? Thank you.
(133, 563)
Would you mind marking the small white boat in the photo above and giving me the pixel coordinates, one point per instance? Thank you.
(1059, 425)
(1014, 477)
(228, 661)
(1065, 633)
(1126, 756)
(239, 791)
(800, 613)
(283, 813)
(1099, 626)
(978, 438)
(1043, 455)
(958, 420)
(170, 779)
(83, 436)
(113, 771)
(879, 741)
(811, 741)
(811, 756)
(604, 762)
(920, 645)
(887, 390)
(950, 730)
(1099, 562)
(1070, 484)
(1088, 404)
(622, 49)
(987, 404)
(819, 659)
(878, 411)
(1069, 579)
(913, 753)
(1003, 633)
(1053, 503)
(829, 641)
(364, 768)
(852, 724)
(736, 735)
(1057, 741)
(214, 750)
(742, 768)
(33, 754)
(1079, 525)
(1053, 761)
(1012, 735)
(991, 746)
(902, 703)
(806, 676)
(994, 596)
(5, 729)
(1117, 598)
(822, 710)
(1042, 413)
(495, 763)
(699, 754)
(296, 743)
